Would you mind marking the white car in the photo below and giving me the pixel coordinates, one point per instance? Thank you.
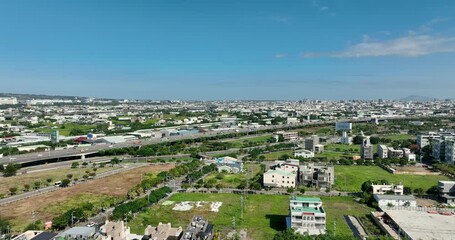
(91, 224)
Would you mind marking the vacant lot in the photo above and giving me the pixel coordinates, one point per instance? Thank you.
(264, 215)
(232, 180)
(49, 205)
(350, 178)
(414, 169)
(399, 136)
(246, 141)
(277, 155)
(55, 174)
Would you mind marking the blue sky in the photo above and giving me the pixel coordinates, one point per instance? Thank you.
(232, 49)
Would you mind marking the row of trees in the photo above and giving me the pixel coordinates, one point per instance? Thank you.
(124, 210)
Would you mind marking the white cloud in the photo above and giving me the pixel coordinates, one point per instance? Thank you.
(415, 43)
(280, 55)
(282, 19)
(408, 46)
(319, 6)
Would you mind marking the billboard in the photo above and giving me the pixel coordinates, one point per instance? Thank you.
(343, 126)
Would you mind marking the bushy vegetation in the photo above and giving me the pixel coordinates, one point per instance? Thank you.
(126, 209)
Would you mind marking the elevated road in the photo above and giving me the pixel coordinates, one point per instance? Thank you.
(82, 152)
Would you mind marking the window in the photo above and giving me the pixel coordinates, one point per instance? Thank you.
(273, 176)
(283, 176)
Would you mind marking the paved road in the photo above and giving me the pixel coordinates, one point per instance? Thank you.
(31, 157)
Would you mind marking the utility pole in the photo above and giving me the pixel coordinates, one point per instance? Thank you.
(334, 228)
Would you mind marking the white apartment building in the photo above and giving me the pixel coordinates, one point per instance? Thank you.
(345, 139)
(303, 153)
(307, 216)
(383, 151)
(280, 178)
(395, 153)
(383, 189)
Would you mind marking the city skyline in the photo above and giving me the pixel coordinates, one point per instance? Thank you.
(204, 50)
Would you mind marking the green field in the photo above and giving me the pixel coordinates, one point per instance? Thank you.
(232, 180)
(277, 155)
(399, 137)
(342, 148)
(264, 215)
(66, 128)
(243, 142)
(350, 178)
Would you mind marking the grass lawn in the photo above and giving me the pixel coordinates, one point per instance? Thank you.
(350, 178)
(277, 155)
(399, 136)
(264, 215)
(232, 180)
(342, 148)
(67, 129)
(56, 174)
(244, 141)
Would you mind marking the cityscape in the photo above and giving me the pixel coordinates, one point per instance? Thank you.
(227, 120)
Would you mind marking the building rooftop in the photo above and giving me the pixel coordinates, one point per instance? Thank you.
(305, 199)
(447, 182)
(280, 172)
(307, 209)
(423, 225)
(84, 231)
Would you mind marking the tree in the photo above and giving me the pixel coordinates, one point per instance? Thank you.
(419, 191)
(374, 140)
(65, 182)
(115, 161)
(76, 132)
(433, 190)
(26, 187)
(302, 190)
(10, 170)
(74, 165)
(37, 184)
(48, 180)
(357, 140)
(84, 164)
(290, 190)
(69, 176)
(407, 190)
(13, 190)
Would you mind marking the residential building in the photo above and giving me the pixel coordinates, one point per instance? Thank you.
(366, 149)
(79, 233)
(280, 178)
(345, 139)
(288, 136)
(303, 153)
(438, 146)
(311, 142)
(395, 153)
(163, 232)
(307, 216)
(447, 191)
(198, 229)
(35, 235)
(449, 151)
(317, 174)
(383, 151)
(116, 231)
(382, 189)
(385, 200)
(229, 164)
(318, 148)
